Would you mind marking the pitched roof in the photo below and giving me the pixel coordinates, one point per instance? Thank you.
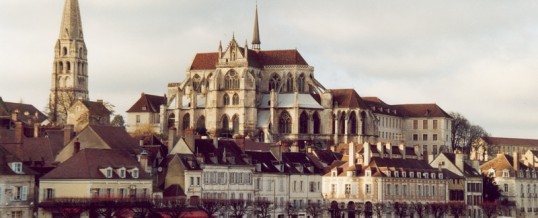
(87, 163)
(379, 106)
(115, 137)
(347, 98)
(174, 191)
(96, 108)
(148, 103)
(208, 61)
(510, 141)
(266, 160)
(4, 111)
(499, 163)
(227, 152)
(33, 149)
(304, 160)
(422, 110)
(5, 170)
(26, 112)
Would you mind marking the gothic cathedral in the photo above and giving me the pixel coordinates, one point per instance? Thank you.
(70, 67)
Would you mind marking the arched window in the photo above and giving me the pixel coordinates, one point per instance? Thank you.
(186, 121)
(64, 51)
(235, 122)
(225, 122)
(353, 123)
(342, 123)
(200, 124)
(317, 123)
(68, 66)
(303, 123)
(171, 120)
(231, 80)
(284, 123)
(289, 83)
(80, 51)
(274, 82)
(301, 83)
(226, 99)
(197, 83)
(60, 67)
(235, 99)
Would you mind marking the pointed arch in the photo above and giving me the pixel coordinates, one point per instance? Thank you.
(186, 121)
(197, 83)
(303, 123)
(353, 123)
(274, 82)
(226, 99)
(301, 83)
(231, 80)
(60, 67)
(171, 120)
(317, 123)
(64, 51)
(284, 123)
(200, 123)
(68, 66)
(225, 121)
(235, 99)
(342, 123)
(235, 124)
(289, 83)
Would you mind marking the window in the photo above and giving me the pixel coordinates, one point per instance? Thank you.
(505, 187)
(434, 124)
(109, 172)
(48, 193)
(137, 118)
(404, 174)
(396, 189)
(289, 83)
(415, 124)
(16, 167)
(348, 189)
(226, 99)
(303, 123)
(197, 83)
(424, 137)
(134, 173)
(16, 214)
(19, 193)
(415, 137)
(317, 123)
(225, 122)
(368, 189)
(425, 124)
(235, 124)
(412, 174)
(231, 80)
(301, 83)
(274, 82)
(353, 124)
(419, 190)
(312, 186)
(388, 191)
(284, 123)
(404, 190)
(235, 99)
(186, 121)
(368, 173)
(434, 149)
(121, 173)
(434, 137)
(333, 189)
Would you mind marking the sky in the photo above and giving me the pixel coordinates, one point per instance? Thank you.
(477, 58)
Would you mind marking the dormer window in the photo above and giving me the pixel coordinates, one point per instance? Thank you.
(121, 172)
(388, 173)
(396, 174)
(368, 173)
(433, 175)
(425, 175)
(491, 173)
(412, 174)
(108, 172)
(419, 175)
(143, 108)
(506, 173)
(404, 174)
(134, 173)
(16, 167)
(333, 173)
(440, 176)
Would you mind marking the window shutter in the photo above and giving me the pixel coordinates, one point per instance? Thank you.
(24, 193)
(12, 196)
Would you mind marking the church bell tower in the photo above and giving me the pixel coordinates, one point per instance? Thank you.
(70, 67)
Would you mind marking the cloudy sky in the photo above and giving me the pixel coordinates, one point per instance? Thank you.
(479, 58)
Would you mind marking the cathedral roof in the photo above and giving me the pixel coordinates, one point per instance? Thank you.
(71, 23)
(510, 141)
(347, 98)
(208, 61)
(148, 103)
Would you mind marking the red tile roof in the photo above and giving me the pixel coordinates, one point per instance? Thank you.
(422, 110)
(510, 141)
(96, 108)
(347, 98)
(115, 137)
(26, 112)
(148, 103)
(208, 61)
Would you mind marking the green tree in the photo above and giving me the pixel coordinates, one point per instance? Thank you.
(118, 121)
(491, 191)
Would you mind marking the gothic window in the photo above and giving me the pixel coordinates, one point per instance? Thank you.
(303, 123)
(235, 122)
(289, 83)
(231, 80)
(197, 83)
(226, 99)
(225, 122)
(80, 51)
(200, 124)
(171, 120)
(284, 123)
(353, 124)
(61, 67)
(274, 82)
(68, 66)
(64, 51)
(317, 123)
(301, 83)
(342, 123)
(186, 121)
(235, 99)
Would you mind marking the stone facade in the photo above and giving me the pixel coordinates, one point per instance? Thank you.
(70, 66)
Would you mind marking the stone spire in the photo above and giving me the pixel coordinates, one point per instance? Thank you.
(71, 27)
(256, 35)
(70, 67)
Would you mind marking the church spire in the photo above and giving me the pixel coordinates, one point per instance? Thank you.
(256, 35)
(71, 27)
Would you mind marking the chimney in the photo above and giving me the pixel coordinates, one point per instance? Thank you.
(402, 150)
(380, 149)
(171, 138)
(36, 130)
(141, 142)
(100, 101)
(388, 147)
(351, 161)
(366, 153)
(459, 159)
(516, 161)
(144, 160)
(189, 138)
(19, 132)
(294, 147)
(76, 147)
(14, 115)
(200, 159)
(68, 134)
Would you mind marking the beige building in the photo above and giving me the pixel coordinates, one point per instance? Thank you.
(16, 187)
(145, 114)
(485, 146)
(70, 67)
(83, 113)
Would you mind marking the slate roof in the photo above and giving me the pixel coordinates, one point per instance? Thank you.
(347, 98)
(266, 159)
(115, 137)
(327, 156)
(86, 164)
(290, 159)
(501, 162)
(96, 108)
(148, 103)
(510, 141)
(422, 110)
(27, 112)
(217, 156)
(174, 191)
(208, 61)
(5, 170)
(33, 149)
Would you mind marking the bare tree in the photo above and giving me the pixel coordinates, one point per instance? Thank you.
(464, 133)
(457, 209)
(400, 209)
(378, 208)
(171, 207)
(290, 209)
(438, 209)
(314, 209)
(212, 205)
(238, 207)
(262, 207)
(420, 209)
